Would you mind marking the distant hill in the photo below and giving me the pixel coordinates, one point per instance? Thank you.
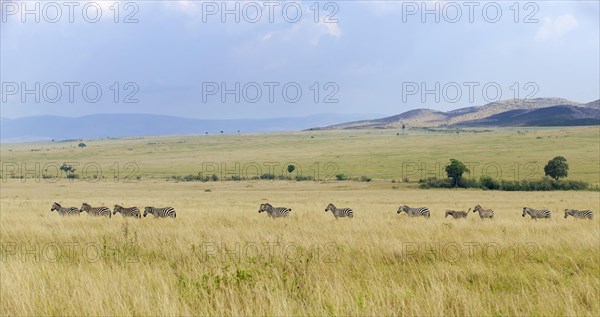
(550, 116)
(46, 128)
(513, 112)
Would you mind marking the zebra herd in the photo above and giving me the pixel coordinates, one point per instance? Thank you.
(280, 212)
(133, 212)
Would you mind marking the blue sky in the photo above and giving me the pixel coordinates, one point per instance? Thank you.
(364, 62)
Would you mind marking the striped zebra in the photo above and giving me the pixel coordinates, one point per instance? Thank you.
(483, 213)
(160, 212)
(127, 212)
(580, 214)
(96, 211)
(536, 213)
(414, 212)
(65, 211)
(456, 214)
(340, 212)
(274, 212)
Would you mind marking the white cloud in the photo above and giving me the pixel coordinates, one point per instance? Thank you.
(556, 28)
(107, 8)
(382, 8)
(187, 6)
(332, 29)
(267, 36)
(303, 32)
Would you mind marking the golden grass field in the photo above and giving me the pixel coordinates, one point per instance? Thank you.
(221, 257)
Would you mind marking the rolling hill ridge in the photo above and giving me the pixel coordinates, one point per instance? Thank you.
(513, 112)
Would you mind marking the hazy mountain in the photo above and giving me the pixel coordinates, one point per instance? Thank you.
(45, 128)
(511, 112)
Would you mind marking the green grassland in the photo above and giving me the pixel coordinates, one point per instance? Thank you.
(511, 154)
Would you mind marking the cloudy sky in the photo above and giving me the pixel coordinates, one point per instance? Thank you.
(253, 59)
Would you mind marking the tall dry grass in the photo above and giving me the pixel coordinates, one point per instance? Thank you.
(221, 257)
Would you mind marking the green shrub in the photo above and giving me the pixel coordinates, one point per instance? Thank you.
(468, 183)
(267, 176)
(341, 177)
(433, 182)
(487, 182)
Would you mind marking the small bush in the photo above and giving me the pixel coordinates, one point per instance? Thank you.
(365, 179)
(341, 177)
(487, 182)
(433, 182)
(267, 176)
(468, 183)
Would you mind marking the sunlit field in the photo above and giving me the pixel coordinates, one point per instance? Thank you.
(221, 257)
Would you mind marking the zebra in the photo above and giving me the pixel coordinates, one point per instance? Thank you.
(456, 214)
(340, 212)
(127, 212)
(160, 212)
(581, 214)
(274, 212)
(96, 211)
(414, 212)
(483, 213)
(536, 213)
(65, 211)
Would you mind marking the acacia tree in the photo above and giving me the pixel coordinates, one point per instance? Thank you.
(557, 168)
(68, 169)
(455, 170)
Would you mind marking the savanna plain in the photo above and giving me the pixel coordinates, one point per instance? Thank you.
(221, 257)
